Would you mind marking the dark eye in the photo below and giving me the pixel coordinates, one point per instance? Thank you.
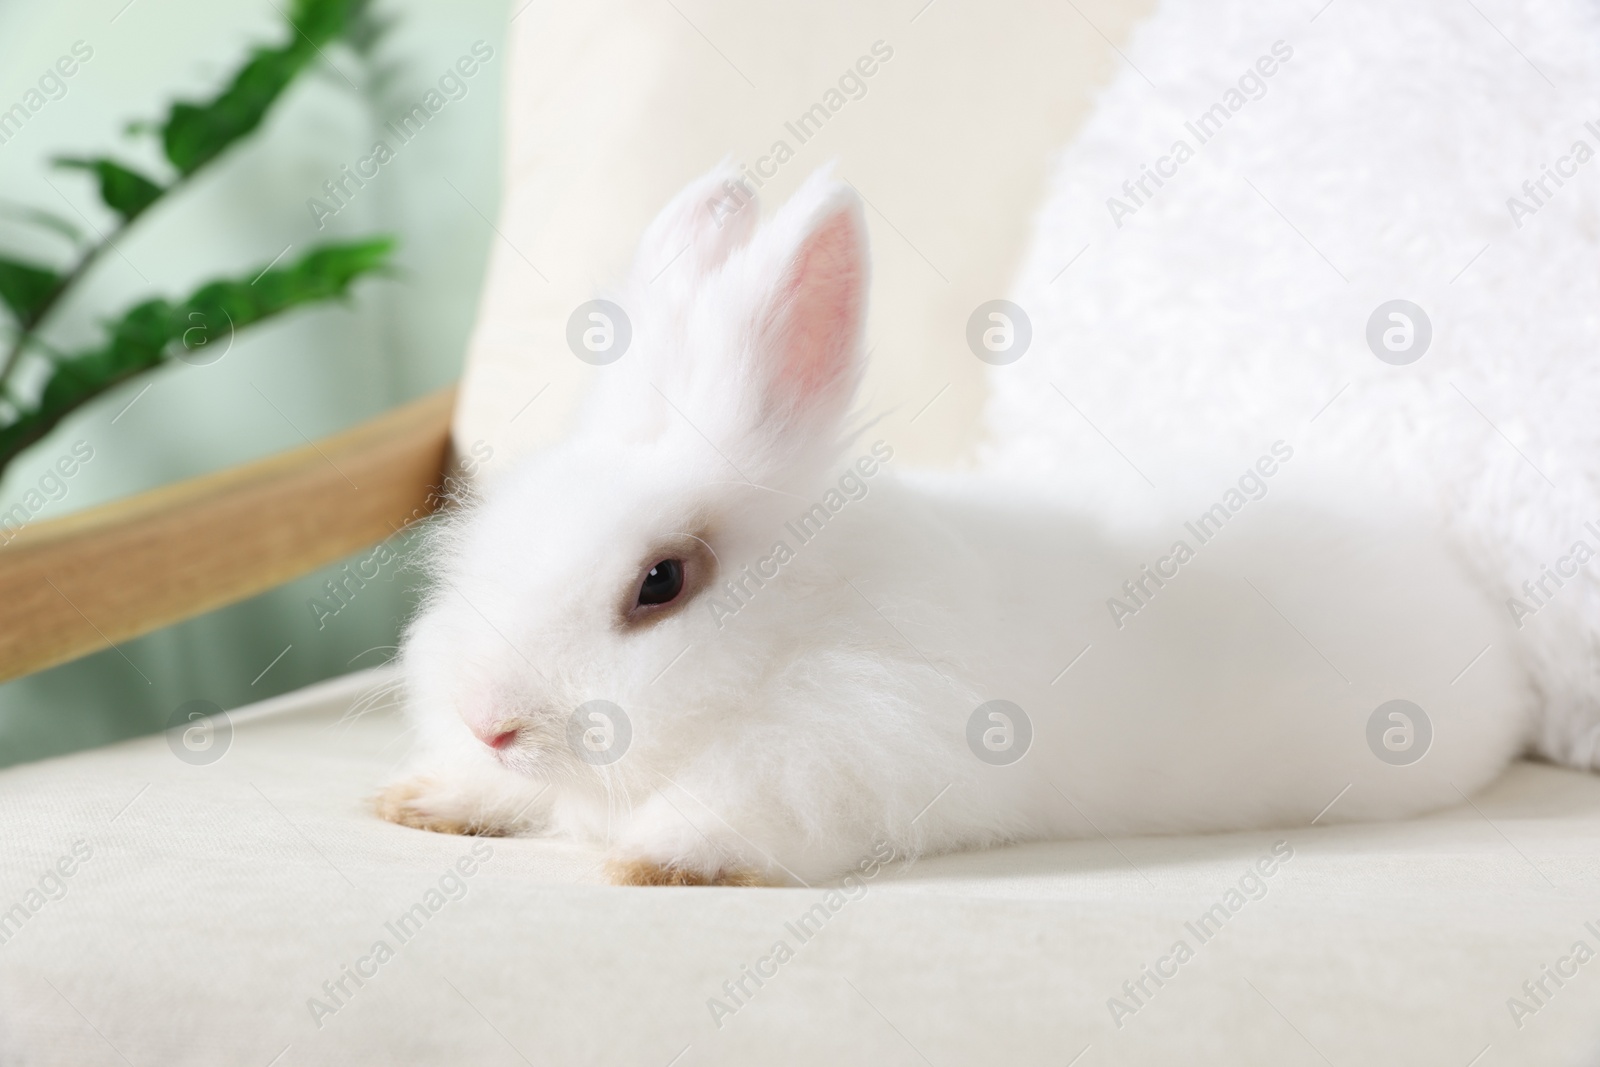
(663, 584)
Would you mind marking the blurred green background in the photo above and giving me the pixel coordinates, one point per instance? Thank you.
(312, 372)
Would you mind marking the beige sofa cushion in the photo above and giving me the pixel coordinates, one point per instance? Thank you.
(217, 899)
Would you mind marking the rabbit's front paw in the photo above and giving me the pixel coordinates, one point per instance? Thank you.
(427, 803)
(621, 871)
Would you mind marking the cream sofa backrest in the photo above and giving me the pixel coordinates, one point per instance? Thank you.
(612, 106)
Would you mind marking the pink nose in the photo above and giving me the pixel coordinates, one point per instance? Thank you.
(495, 737)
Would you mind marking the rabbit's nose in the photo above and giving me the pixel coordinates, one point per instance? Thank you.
(496, 736)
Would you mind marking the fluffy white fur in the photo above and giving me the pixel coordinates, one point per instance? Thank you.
(828, 717)
(1207, 326)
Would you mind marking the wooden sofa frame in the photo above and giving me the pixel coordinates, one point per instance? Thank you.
(77, 584)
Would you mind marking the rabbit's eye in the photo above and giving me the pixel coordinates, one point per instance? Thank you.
(663, 584)
(684, 564)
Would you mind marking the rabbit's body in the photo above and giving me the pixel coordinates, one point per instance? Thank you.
(813, 704)
(1240, 693)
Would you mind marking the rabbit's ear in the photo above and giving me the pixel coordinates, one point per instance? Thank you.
(753, 344)
(704, 223)
(810, 326)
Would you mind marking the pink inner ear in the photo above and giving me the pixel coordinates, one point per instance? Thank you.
(819, 313)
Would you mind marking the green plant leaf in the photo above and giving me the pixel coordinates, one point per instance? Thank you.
(127, 192)
(364, 29)
(43, 219)
(322, 274)
(324, 20)
(24, 287)
(196, 133)
(146, 335)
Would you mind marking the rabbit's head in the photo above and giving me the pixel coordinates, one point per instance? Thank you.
(584, 575)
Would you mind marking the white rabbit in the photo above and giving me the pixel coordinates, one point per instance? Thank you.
(797, 644)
